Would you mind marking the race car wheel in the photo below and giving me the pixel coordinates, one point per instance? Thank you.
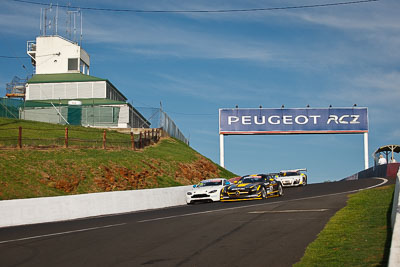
(304, 181)
(263, 193)
(221, 196)
(280, 190)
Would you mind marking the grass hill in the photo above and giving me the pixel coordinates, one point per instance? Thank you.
(53, 171)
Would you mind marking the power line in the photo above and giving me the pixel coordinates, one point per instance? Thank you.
(205, 11)
(15, 54)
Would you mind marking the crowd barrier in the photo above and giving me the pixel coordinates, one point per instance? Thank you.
(394, 258)
(61, 208)
(385, 171)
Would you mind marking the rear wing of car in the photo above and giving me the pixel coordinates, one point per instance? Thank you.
(295, 170)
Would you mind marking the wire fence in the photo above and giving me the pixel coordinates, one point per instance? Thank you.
(23, 137)
(159, 119)
(9, 108)
(92, 116)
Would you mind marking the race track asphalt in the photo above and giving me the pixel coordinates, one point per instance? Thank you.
(272, 232)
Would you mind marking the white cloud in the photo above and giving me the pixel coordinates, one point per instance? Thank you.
(205, 87)
(377, 89)
(143, 36)
(18, 20)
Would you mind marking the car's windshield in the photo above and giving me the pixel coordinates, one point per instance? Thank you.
(251, 180)
(210, 183)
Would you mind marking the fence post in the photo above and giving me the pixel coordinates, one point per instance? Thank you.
(104, 139)
(140, 140)
(132, 141)
(66, 137)
(20, 137)
(152, 135)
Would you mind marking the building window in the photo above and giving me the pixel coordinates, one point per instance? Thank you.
(73, 64)
(84, 68)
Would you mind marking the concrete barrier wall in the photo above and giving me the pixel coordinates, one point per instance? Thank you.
(385, 171)
(51, 209)
(394, 258)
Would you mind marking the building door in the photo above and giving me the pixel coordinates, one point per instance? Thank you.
(75, 115)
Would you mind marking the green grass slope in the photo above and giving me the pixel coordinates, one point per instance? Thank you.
(32, 172)
(358, 235)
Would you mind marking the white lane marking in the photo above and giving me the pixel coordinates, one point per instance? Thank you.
(261, 204)
(61, 233)
(285, 211)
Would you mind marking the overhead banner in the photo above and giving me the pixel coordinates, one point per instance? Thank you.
(293, 121)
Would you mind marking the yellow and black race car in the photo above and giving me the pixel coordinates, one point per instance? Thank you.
(249, 187)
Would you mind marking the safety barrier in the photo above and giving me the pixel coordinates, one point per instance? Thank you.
(394, 258)
(385, 171)
(52, 209)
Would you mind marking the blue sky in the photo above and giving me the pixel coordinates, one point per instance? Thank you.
(196, 63)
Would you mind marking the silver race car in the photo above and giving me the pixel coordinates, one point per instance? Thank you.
(206, 191)
(292, 177)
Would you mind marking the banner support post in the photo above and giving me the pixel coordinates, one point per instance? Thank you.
(221, 151)
(366, 165)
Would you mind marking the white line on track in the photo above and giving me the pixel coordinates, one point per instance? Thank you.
(62, 233)
(285, 211)
(262, 204)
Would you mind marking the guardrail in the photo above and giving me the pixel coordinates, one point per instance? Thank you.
(51, 209)
(394, 258)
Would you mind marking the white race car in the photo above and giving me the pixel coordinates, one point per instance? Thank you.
(292, 177)
(207, 190)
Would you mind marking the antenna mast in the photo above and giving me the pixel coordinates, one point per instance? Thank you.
(71, 25)
(47, 24)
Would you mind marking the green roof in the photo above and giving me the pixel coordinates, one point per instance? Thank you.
(64, 102)
(64, 77)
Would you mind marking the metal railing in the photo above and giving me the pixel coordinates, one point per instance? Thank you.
(159, 119)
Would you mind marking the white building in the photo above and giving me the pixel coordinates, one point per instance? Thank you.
(55, 54)
(62, 75)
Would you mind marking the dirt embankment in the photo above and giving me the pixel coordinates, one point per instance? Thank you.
(113, 177)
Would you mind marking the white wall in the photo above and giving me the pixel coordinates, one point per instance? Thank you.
(51, 209)
(52, 53)
(73, 90)
(123, 119)
(394, 258)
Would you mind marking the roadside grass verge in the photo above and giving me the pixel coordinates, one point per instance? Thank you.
(48, 131)
(357, 235)
(31, 172)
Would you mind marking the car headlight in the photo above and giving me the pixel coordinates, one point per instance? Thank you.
(189, 193)
(212, 191)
